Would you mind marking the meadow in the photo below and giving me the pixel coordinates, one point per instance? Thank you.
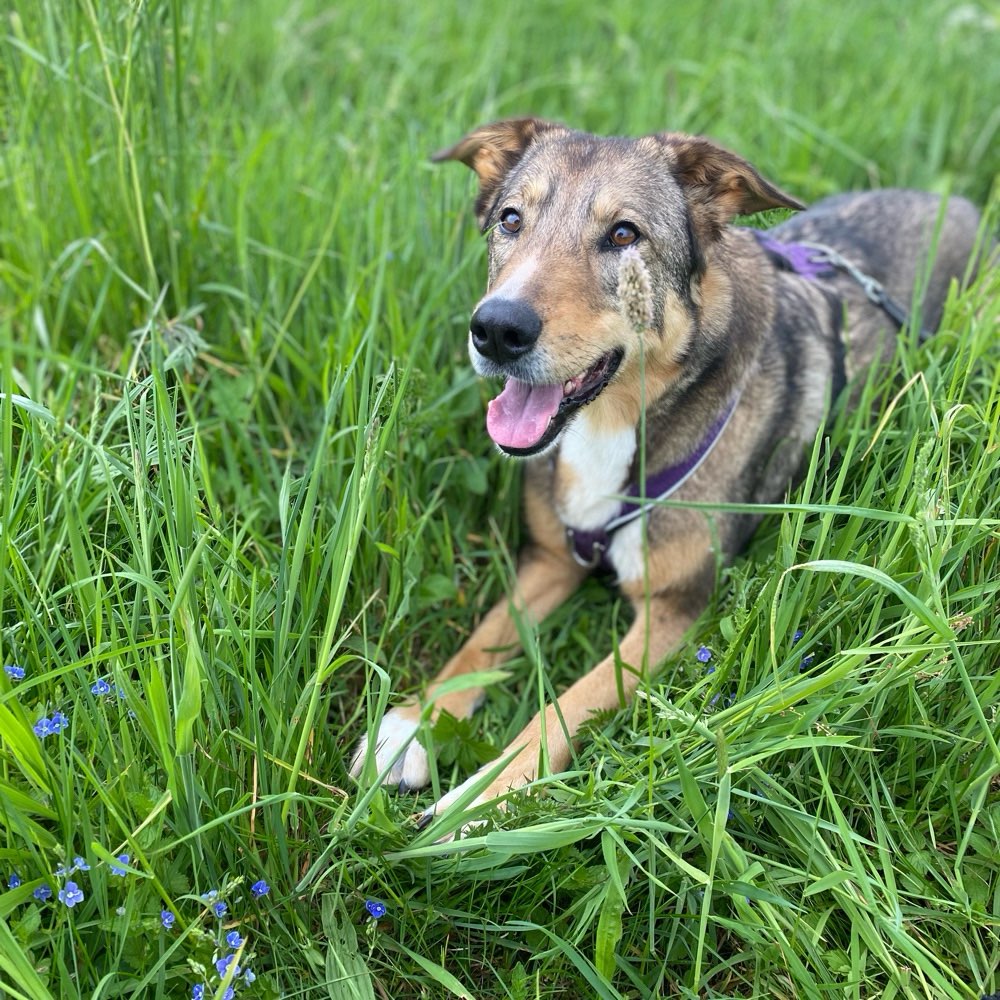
(246, 502)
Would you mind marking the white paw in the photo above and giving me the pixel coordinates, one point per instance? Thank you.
(493, 781)
(399, 758)
(445, 803)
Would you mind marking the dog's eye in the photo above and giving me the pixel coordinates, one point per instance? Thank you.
(622, 234)
(510, 221)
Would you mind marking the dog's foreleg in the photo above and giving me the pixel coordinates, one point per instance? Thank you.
(545, 578)
(659, 628)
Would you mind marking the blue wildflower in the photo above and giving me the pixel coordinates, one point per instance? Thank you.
(219, 909)
(100, 686)
(115, 870)
(260, 888)
(58, 721)
(798, 635)
(223, 964)
(228, 993)
(167, 919)
(806, 662)
(704, 654)
(42, 893)
(14, 672)
(61, 871)
(198, 992)
(71, 895)
(80, 865)
(14, 881)
(233, 939)
(375, 908)
(210, 895)
(248, 976)
(43, 728)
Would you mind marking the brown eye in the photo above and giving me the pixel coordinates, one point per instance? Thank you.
(510, 221)
(622, 234)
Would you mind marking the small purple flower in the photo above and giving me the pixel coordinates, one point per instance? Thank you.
(71, 895)
(228, 993)
(233, 939)
(248, 976)
(14, 672)
(61, 871)
(375, 908)
(167, 919)
(100, 686)
(219, 909)
(210, 895)
(80, 865)
(704, 654)
(806, 662)
(58, 722)
(43, 728)
(42, 893)
(798, 635)
(14, 881)
(260, 888)
(115, 870)
(223, 964)
(198, 992)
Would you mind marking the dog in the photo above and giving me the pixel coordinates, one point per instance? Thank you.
(637, 329)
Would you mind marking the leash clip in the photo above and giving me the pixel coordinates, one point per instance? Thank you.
(578, 542)
(873, 289)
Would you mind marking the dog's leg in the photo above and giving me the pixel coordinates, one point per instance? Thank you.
(658, 629)
(545, 578)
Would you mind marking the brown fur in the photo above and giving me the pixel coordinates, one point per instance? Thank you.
(727, 324)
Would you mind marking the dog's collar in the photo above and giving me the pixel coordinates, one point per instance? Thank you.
(590, 548)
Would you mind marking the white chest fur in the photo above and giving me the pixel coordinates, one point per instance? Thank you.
(591, 470)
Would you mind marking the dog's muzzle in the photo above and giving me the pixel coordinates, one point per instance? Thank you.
(504, 329)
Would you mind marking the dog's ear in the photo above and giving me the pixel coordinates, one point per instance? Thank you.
(719, 184)
(493, 150)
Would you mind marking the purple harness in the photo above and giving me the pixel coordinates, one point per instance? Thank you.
(802, 258)
(817, 260)
(810, 260)
(590, 548)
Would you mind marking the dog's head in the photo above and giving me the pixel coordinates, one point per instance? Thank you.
(560, 208)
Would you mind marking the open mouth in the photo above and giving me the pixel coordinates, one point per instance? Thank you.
(526, 418)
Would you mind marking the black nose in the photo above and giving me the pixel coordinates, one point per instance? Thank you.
(504, 329)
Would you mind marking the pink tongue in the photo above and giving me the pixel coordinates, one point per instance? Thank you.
(520, 415)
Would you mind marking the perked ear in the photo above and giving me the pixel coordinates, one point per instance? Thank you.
(718, 184)
(493, 150)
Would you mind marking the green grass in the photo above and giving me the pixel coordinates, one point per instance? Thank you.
(243, 478)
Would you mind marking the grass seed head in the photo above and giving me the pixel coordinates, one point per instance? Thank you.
(635, 293)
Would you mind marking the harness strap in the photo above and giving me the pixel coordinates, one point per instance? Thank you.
(817, 260)
(590, 548)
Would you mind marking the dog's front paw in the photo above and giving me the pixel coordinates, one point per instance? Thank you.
(489, 786)
(399, 758)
